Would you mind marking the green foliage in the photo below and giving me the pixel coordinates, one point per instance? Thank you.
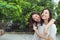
(58, 20)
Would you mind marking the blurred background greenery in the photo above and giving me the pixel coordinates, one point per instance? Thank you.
(14, 14)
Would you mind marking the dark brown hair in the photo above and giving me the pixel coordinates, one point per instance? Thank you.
(31, 21)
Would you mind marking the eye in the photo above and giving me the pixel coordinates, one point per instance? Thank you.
(45, 12)
(36, 16)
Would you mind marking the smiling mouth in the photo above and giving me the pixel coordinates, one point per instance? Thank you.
(43, 16)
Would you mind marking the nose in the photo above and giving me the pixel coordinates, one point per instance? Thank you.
(38, 17)
(43, 14)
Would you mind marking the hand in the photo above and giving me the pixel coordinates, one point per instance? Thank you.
(45, 31)
(1, 32)
(48, 38)
(34, 27)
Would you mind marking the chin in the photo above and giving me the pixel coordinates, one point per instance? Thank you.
(37, 21)
(43, 18)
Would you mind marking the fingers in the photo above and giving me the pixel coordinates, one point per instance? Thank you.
(34, 27)
(45, 32)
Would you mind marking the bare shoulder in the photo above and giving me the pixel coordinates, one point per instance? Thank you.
(53, 26)
(53, 19)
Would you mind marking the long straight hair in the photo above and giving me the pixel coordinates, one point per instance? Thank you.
(31, 21)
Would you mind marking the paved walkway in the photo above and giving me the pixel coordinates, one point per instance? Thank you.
(19, 37)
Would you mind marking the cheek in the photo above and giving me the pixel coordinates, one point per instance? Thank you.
(35, 20)
(47, 16)
(38, 20)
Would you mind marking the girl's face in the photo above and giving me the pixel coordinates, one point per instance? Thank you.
(36, 17)
(45, 15)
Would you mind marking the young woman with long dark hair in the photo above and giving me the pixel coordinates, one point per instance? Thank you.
(52, 30)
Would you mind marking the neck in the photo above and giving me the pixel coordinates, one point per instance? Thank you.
(38, 23)
(46, 22)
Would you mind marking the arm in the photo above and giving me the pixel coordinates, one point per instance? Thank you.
(48, 25)
(41, 36)
(38, 33)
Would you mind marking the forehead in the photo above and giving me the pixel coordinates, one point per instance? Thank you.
(46, 10)
(35, 15)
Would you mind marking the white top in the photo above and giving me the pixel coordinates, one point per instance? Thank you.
(52, 30)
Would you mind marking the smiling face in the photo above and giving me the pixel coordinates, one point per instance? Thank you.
(45, 15)
(36, 17)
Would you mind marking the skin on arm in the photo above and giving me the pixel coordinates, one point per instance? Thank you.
(41, 36)
(45, 30)
(38, 33)
(48, 25)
